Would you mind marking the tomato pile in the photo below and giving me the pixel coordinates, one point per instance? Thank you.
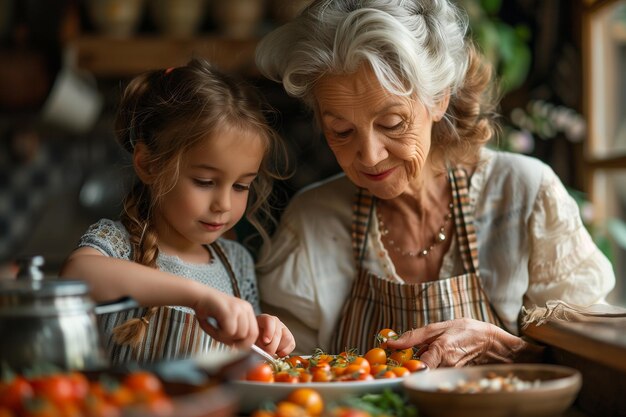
(307, 402)
(72, 394)
(377, 363)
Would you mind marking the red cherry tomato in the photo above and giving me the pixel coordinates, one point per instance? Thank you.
(261, 372)
(14, 392)
(143, 383)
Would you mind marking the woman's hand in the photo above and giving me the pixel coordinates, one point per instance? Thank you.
(463, 342)
(274, 336)
(235, 319)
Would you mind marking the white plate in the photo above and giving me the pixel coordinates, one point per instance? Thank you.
(254, 394)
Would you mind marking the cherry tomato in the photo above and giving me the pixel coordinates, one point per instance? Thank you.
(414, 365)
(5, 412)
(95, 406)
(14, 392)
(287, 377)
(297, 362)
(321, 375)
(143, 382)
(309, 399)
(362, 363)
(353, 371)
(384, 335)
(320, 366)
(71, 410)
(262, 413)
(39, 407)
(378, 369)
(400, 371)
(324, 358)
(262, 372)
(376, 356)
(387, 375)
(350, 412)
(401, 356)
(121, 395)
(305, 376)
(289, 409)
(57, 388)
(80, 385)
(365, 377)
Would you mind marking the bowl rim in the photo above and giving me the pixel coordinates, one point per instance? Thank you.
(567, 377)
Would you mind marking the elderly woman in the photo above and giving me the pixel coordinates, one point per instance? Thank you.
(426, 231)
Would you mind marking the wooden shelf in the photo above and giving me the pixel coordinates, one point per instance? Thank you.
(115, 58)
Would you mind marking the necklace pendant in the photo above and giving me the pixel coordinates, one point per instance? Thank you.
(438, 238)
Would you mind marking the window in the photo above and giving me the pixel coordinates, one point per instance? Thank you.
(604, 56)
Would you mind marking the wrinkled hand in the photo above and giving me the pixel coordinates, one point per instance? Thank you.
(236, 320)
(460, 342)
(274, 336)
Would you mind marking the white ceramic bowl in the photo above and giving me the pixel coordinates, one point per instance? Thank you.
(555, 392)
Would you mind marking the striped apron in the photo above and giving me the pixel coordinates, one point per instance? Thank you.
(170, 334)
(376, 303)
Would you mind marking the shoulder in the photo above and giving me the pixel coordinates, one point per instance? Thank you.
(324, 197)
(499, 169)
(237, 254)
(234, 248)
(109, 237)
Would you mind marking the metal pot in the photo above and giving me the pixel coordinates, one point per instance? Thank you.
(50, 320)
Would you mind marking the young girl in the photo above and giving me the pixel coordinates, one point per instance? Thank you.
(201, 150)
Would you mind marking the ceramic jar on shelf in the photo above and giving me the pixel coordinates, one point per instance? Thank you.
(178, 18)
(283, 11)
(116, 18)
(238, 19)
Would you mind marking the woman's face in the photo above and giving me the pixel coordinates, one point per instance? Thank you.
(380, 140)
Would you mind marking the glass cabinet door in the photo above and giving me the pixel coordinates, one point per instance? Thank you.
(604, 57)
(606, 67)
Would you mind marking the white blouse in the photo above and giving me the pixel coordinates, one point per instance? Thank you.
(532, 248)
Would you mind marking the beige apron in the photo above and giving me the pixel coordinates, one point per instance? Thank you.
(376, 303)
(171, 333)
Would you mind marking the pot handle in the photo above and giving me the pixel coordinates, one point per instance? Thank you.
(121, 304)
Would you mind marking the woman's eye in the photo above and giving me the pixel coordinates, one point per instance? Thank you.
(397, 126)
(343, 134)
(203, 183)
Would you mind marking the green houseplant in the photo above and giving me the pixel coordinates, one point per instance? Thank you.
(506, 46)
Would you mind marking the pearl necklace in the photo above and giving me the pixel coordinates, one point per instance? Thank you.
(437, 239)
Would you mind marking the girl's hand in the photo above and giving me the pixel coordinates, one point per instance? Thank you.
(236, 320)
(274, 336)
(463, 342)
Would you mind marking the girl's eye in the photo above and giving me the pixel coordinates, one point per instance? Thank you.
(203, 183)
(241, 187)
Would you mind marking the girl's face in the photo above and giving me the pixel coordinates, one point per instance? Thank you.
(380, 140)
(211, 193)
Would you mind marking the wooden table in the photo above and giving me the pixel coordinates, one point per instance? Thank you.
(598, 351)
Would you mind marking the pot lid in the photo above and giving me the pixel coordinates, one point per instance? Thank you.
(31, 282)
(44, 288)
